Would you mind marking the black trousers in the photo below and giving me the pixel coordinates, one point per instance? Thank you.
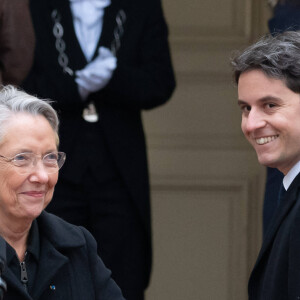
(101, 203)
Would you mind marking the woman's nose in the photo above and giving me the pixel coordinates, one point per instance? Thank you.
(39, 172)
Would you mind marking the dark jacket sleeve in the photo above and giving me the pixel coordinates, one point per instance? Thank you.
(104, 286)
(16, 40)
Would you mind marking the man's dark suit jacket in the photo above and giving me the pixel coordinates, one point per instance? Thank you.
(143, 79)
(276, 275)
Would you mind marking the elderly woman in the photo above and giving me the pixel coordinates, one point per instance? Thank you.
(47, 258)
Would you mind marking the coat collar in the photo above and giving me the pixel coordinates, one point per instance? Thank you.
(56, 236)
(59, 233)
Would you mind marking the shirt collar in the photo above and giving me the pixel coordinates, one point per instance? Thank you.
(291, 175)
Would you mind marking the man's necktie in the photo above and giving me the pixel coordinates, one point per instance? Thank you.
(281, 194)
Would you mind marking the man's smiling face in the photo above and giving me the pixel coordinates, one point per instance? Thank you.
(270, 119)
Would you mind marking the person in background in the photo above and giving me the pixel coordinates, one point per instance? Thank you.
(103, 62)
(46, 257)
(286, 16)
(268, 77)
(16, 41)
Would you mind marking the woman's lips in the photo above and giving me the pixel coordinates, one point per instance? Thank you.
(34, 193)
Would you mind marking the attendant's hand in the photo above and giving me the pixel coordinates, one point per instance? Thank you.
(96, 74)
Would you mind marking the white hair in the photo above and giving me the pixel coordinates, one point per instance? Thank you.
(14, 100)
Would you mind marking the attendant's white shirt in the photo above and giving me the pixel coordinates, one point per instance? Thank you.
(88, 23)
(291, 175)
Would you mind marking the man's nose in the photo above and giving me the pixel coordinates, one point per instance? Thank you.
(255, 120)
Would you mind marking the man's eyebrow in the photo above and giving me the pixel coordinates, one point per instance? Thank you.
(262, 100)
(241, 102)
(269, 98)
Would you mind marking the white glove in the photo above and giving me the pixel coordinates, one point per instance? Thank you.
(96, 74)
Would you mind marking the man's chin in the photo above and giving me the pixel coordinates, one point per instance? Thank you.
(267, 162)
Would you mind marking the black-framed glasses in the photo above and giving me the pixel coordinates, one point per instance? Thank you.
(26, 161)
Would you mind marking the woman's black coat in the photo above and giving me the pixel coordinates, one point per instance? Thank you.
(68, 261)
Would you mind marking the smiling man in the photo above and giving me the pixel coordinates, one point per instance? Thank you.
(268, 78)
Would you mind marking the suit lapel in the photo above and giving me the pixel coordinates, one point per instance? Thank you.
(73, 50)
(109, 22)
(280, 214)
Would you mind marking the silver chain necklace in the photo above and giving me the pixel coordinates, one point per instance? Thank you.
(89, 113)
(60, 45)
(118, 31)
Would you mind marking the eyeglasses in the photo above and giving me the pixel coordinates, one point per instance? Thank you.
(25, 162)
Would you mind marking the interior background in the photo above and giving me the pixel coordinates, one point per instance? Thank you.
(207, 186)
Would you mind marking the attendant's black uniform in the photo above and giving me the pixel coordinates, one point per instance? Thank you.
(104, 184)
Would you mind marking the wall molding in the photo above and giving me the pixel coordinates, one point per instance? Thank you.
(197, 141)
(237, 196)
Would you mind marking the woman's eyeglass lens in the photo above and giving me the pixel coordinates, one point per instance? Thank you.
(25, 162)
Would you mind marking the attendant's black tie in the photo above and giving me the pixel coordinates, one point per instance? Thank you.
(281, 194)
